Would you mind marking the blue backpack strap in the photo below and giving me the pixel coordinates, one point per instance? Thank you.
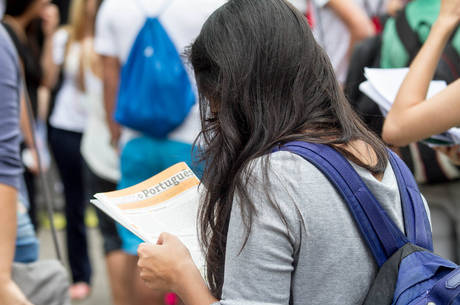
(417, 225)
(380, 233)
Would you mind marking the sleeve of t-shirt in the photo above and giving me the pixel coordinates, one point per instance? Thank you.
(10, 134)
(104, 40)
(59, 46)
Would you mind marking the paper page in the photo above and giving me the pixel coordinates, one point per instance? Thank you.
(388, 81)
(167, 202)
(367, 88)
(120, 218)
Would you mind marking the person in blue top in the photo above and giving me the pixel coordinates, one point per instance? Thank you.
(17, 238)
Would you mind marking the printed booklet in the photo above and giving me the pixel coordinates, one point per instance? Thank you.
(167, 202)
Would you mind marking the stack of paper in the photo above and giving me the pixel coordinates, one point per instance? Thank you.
(382, 86)
(167, 202)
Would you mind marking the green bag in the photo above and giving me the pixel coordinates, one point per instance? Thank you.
(420, 15)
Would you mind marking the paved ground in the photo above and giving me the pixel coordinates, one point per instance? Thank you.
(100, 291)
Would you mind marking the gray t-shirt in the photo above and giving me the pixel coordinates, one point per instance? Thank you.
(10, 134)
(323, 260)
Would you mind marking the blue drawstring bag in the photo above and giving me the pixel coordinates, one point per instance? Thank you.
(155, 94)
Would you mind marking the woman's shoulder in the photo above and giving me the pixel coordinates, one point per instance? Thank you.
(289, 176)
(287, 179)
(286, 166)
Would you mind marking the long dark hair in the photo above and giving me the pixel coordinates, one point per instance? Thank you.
(16, 8)
(263, 81)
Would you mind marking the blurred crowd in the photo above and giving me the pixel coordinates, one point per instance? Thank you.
(76, 64)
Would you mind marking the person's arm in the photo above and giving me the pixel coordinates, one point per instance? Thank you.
(50, 21)
(10, 168)
(106, 46)
(111, 74)
(411, 118)
(8, 201)
(355, 19)
(259, 273)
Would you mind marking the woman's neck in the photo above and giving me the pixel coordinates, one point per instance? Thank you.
(363, 152)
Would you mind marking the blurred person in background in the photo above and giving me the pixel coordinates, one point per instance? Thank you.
(63, 6)
(17, 237)
(80, 97)
(64, 50)
(19, 15)
(21, 18)
(101, 166)
(101, 159)
(393, 6)
(414, 118)
(437, 174)
(339, 24)
(118, 24)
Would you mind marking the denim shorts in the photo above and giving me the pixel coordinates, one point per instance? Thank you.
(27, 245)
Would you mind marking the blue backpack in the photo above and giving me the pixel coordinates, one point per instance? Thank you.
(155, 94)
(409, 274)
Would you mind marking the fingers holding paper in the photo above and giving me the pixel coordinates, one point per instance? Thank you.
(453, 152)
(162, 265)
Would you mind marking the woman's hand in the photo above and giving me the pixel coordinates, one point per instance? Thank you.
(453, 152)
(162, 266)
(449, 13)
(168, 266)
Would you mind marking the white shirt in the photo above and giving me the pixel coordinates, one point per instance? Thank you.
(69, 112)
(333, 35)
(96, 149)
(119, 22)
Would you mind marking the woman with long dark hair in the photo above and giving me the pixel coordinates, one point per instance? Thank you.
(273, 228)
